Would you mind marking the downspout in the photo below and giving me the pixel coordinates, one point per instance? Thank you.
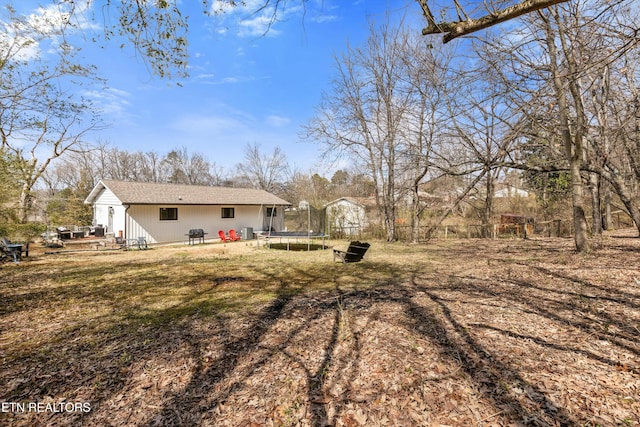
(126, 208)
(273, 208)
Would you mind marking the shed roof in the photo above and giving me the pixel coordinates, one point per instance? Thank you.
(360, 201)
(151, 193)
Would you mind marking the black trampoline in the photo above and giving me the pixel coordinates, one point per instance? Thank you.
(293, 240)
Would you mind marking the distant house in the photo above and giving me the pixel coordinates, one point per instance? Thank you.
(166, 212)
(346, 215)
(508, 191)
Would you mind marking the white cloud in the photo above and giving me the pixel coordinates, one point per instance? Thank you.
(256, 18)
(321, 19)
(227, 126)
(211, 79)
(277, 121)
(67, 17)
(17, 47)
(257, 26)
(196, 124)
(232, 80)
(45, 28)
(205, 76)
(113, 102)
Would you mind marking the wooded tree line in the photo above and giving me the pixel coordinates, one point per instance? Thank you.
(555, 96)
(66, 184)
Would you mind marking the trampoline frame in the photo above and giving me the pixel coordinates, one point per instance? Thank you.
(289, 237)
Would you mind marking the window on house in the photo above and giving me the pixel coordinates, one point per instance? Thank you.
(271, 212)
(168, 214)
(228, 213)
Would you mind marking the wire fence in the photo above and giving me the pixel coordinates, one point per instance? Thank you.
(549, 229)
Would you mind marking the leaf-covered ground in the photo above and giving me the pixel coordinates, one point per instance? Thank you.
(450, 333)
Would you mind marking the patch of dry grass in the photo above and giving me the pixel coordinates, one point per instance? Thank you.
(453, 333)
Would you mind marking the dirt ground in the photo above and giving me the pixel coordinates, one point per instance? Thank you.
(449, 333)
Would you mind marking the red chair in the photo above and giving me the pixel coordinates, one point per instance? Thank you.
(235, 237)
(223, 236)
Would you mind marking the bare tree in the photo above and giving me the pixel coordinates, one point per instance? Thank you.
(487, 130)
(364, 117)
(40, 117)
(264, 171)
(180, 167)
(177, 166)
(427, 81)
(558, 66)
(613, 154)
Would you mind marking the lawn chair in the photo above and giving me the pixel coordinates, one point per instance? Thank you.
(4, 250)
(354, 253)
(223, 236)
(140, 243)
(234, 236)
(13, 250)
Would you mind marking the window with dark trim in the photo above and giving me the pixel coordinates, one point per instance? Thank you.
(271, 212)
(168, 214)
(228, 212)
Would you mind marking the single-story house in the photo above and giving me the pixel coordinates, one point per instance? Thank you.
(346, 215)
(166, 212)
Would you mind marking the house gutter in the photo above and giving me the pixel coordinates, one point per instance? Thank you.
(126, 208)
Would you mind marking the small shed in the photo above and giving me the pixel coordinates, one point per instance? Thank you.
(166, 212)
(346, 215)
(509, 191)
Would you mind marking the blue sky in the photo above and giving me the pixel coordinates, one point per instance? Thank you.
(244, 87)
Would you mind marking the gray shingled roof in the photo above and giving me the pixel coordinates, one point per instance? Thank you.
(149, 193)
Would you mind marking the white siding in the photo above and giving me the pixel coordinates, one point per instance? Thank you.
(511, 192)
(346, 216)
(144, 221)
(108, 210)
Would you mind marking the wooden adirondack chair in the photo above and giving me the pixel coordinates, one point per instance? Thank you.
(223, 236)
(233, 235)
(13, 250)
(354, 253)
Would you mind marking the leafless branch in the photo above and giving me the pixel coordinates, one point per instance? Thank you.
(454, 29)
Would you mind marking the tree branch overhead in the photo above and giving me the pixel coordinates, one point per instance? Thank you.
(454, 29)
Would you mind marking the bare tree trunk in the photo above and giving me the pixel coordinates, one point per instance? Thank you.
(625, 194)
(579, 217)
(391, 205)
(606, 220)
(487, 210)
(415, 214)
(596, 206)
(573, 143)
(23, 206)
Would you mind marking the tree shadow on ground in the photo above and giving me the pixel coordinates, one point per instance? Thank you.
(443, 331)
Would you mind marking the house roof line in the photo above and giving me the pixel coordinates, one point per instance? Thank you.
(152, 193)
